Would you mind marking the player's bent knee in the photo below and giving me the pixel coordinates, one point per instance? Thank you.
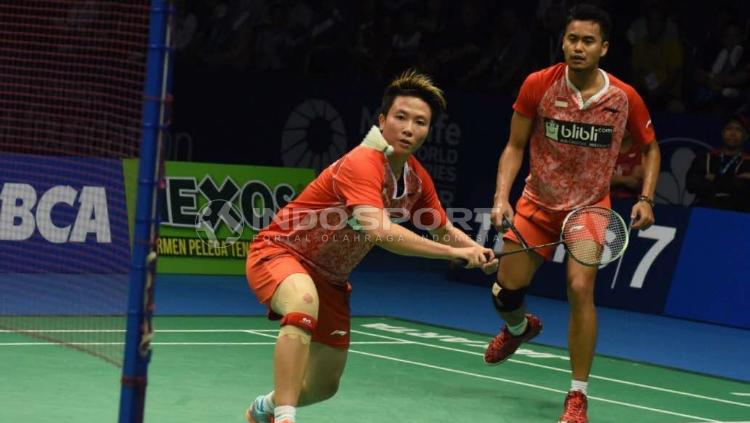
(507, 300)
(298, 325)
(297, 293)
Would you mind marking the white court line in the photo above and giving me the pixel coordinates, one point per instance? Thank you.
(542, 366)
(33, 344)
(396, 341)
(123, 330)
(529, 385)
(62, 330)
(85, 344)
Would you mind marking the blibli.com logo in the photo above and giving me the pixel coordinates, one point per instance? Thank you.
(597, 136)
(60, 214)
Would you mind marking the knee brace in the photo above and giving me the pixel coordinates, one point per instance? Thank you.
(507, 300)
(298, 325)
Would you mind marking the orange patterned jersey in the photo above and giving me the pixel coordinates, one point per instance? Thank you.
(574, 144)
(318, 228)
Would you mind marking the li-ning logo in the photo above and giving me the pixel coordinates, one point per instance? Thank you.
(588, 135)
(338, 333)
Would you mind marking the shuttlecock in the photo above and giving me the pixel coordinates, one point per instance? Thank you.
(374, 139)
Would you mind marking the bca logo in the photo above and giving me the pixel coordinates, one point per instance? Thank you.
(21, 213)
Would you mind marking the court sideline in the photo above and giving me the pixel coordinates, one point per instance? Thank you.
(420, 290)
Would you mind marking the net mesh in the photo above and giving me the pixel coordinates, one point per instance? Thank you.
(72, 77)
(595, 235)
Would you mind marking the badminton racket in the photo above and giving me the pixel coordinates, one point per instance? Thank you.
(593, 236)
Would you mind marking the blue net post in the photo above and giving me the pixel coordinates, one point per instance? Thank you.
(145, 234)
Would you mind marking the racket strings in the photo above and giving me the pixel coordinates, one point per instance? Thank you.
(595, 235)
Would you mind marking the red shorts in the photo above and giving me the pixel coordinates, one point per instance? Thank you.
(268, 265)
(540, 226)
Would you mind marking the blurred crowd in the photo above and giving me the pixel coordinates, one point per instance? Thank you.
(680, 57)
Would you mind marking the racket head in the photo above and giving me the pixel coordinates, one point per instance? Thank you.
(595, 236)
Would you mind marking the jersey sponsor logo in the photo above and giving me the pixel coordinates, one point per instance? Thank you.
(583, 134)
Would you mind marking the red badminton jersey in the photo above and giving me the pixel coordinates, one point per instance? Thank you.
(314, 226)
(574, 144)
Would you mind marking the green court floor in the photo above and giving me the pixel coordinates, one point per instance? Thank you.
(207, 369)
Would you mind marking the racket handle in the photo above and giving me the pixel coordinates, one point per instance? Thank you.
(459, 263)
(507, 224)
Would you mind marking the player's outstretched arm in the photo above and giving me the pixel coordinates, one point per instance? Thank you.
(399, 240)
(451, 235)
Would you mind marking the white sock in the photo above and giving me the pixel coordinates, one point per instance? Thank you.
(282, 412)
(519, 328)
(267, 403)
(579, 385)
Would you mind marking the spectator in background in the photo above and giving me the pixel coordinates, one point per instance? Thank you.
(406, 42)
(547, 36)
(724, 76)
(329, 48)
(657, 62)
(432, 20)
(369, 40)
(502, 65)
(226, 39)
(628, 175)
(461, 45)
(721, 178)
(274, 42)
(186, 26)
(638, 29)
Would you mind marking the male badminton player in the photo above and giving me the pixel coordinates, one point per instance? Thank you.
(299, 265)
(574, 114)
